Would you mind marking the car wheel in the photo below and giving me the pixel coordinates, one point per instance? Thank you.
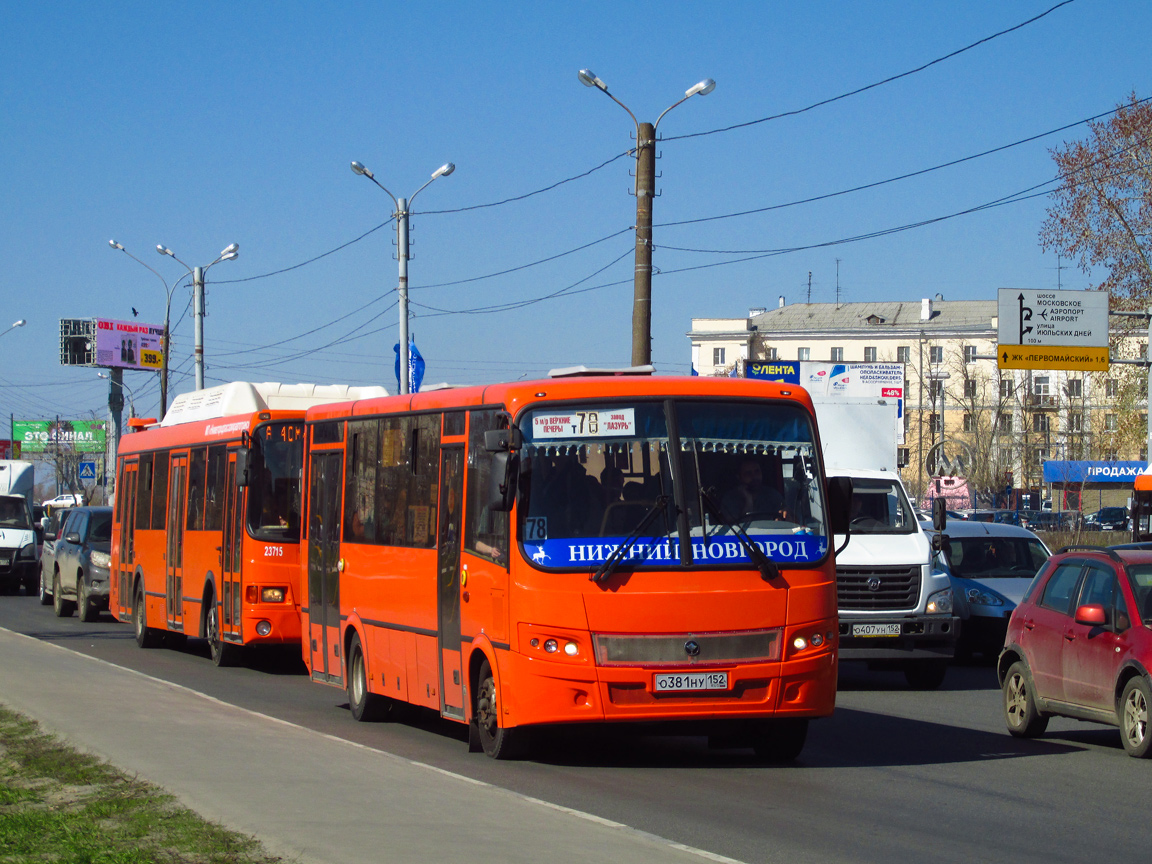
(1021, 716)
(925, 674)
(498, 742)
(1134, 718)
(89, 611)
(63, 608)
(45, 594)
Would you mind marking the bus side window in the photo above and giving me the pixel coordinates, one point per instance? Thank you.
(485, 530)
(196, 467)
(159, 519)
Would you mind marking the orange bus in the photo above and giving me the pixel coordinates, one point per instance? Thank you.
(206, 534)
(576, 550)
(1142, 507)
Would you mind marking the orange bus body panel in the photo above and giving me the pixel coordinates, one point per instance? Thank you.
(388, 597)
(142, 566)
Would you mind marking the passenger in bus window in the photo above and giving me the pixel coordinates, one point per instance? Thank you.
(750, 494)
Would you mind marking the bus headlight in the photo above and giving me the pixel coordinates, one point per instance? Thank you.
(272, 595)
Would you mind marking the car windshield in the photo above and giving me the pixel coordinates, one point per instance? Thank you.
(1141, 580)
(13, 513)
(881, 507)
(593, 475)
(100, 528)
(996, 557)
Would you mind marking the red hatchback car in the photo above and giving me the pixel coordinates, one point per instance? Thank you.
(1079, 645)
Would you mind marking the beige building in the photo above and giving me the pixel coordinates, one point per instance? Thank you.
(1009, 422)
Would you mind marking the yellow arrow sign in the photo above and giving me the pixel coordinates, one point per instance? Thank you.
(1087, 359)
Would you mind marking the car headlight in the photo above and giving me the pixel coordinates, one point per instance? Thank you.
(940, 603)
(28, 553)
(980, 597)
(102, 560)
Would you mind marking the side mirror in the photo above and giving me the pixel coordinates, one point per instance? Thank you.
(502, 480)
(503, 440)
(72, 538)
(242, 466)
(45, 521)
(939, 514)
(839, 504)
(1092, 615)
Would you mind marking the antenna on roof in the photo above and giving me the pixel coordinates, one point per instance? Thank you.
(837, 283)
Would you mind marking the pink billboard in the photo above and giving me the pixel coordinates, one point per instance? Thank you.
(129, 344)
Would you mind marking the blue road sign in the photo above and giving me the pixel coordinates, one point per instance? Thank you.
(88, 471)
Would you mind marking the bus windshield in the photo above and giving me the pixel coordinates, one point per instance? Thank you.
(274, 470)
(656, 476)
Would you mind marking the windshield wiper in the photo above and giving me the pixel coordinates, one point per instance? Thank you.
(613, 560)
(766, 566)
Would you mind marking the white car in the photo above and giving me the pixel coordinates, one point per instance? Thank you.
(66, 500)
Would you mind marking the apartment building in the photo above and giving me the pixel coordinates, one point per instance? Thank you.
(1009, 422)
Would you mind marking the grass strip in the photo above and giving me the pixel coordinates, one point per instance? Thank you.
(59, 806)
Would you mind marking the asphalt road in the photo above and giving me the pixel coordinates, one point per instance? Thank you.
(893, 775)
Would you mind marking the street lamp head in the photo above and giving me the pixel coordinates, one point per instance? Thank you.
(103, 375)
(115, 245)
(588, 79)
(20, 323)
(444, 170)
(703, 88)
(231, 251)
(357, 168)
(228, 256)
(164, 250)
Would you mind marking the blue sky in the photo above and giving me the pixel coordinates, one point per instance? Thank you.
(199, 125)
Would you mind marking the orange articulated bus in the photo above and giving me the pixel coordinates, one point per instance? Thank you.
(581, 549)
(206, 535)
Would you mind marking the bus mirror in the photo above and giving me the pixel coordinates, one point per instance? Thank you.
(242, 466)
(839, 504)
(503, 440)
(502, 481)
(939, 514)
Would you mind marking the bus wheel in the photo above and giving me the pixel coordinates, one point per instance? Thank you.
(63, 608)
(223, 653)
(780, 741)
(146, 637)
(89, 611)
(498, 741)
(366, 707)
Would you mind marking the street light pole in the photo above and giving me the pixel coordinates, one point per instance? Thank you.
(232, 251)
(645, 192)
(167, 315)
(15, 324)
(403, 209)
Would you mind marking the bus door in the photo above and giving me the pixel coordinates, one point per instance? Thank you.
(126, 501)
(230, 558)
(174, 558)
(323, 563)
(449, 587)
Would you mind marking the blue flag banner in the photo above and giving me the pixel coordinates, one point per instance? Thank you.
(415, 367)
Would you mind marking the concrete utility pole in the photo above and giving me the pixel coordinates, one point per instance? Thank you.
(401, 215)
(230, 252)
(645, 192)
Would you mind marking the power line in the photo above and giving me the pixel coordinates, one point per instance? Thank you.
(897, 178)
(874, 85)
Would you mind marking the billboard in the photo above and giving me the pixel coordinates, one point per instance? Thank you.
(129, 344)
(42, 436)
(871, 380)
